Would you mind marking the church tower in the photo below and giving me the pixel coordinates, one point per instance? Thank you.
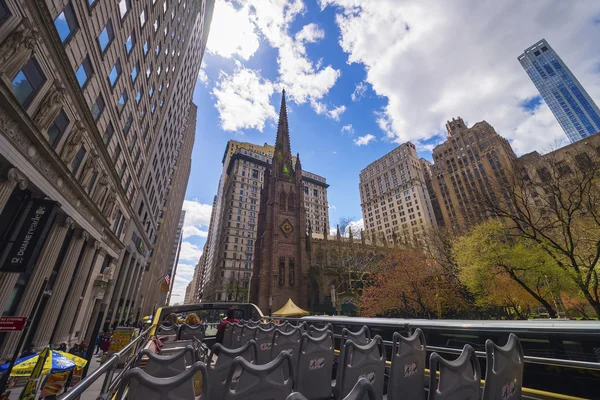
(281, 260)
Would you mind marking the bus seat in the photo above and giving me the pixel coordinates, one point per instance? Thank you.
(164, 330)
(318, 332)
(314, 366)
(247, 334)
(187, 332)
(362, 336)
(218, 372)
(407, 374)
(166, 366)
(459, 379)
(247, 381)
(288, 341)
(357, 361)
(264, 341)
(504, 371)
(140, 385)
(363, 390)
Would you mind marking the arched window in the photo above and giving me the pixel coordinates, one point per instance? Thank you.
(282, 201)
(291, 202)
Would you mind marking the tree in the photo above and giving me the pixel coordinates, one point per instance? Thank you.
(487, 256)
(413, 285)
(554, 203)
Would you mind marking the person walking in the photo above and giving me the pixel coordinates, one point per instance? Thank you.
(231, 319)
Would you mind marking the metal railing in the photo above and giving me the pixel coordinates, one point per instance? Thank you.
(109, 368)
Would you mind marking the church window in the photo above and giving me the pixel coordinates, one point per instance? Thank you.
(282, 201)
(291, 202)
(291, 263)
(282, 271)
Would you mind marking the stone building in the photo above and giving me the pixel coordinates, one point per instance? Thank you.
(471, 163)
(281, 260)
(394, 197)
(231, 245)
(93, 105)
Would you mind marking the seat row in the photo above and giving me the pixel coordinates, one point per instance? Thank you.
(182, 332)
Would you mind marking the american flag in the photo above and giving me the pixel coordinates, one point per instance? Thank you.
(167, 278)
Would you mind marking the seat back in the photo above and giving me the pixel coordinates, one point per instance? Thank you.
(264, 341)
(314, 366)
(285, 327)
(504, 372)
(217, 372)
(139, 385)
(246, 334)
(187, 332)
(362, 336)
(269, 381)
(235, 339)
(357, 361)
(318, 332)
(286, 341)
(459, 379)
(266, 325)
(407, 374)
(363, 390)
(166, 366)
(167, 330)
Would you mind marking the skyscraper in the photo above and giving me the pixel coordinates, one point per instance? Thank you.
(96, 130)
(574, 109)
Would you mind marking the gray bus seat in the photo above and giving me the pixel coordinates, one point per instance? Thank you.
(407, 374)
(357, 361)
(459, 379)
(314, 366)
(139, 385)
(285, 327)
(266, 325)
(504, 371)
(218, 372)
(362, 336)
(235, 336)
(363, 390)
(286, 341)
(166, 366)
(167, 330)
(264, 341)
(247, 381)
(176, 346)
(247, 334)
(318, 332)
(187, 332)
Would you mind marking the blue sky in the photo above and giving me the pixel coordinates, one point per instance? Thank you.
(363, 76)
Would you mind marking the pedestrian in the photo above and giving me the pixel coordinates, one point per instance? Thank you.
(29, 352)
(62, 347)
(229, 320)
(98, 342)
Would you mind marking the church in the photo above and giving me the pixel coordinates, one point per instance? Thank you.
(281, 260)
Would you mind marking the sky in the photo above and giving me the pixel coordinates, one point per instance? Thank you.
(362, 76)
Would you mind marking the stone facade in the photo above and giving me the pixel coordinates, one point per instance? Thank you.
(73, 75)
(281, 261)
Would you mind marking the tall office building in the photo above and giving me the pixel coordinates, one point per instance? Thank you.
(427, 168)
(95, 104)
(233, 226)
(394, 198)
(471, 162)
(574, 109)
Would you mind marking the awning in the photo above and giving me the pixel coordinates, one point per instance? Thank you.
(290, 310)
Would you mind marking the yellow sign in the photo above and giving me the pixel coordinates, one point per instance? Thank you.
(55, 384)
(120, 338)
(30, 389)
(164, 288)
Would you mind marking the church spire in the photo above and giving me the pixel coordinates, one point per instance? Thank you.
(282, 162)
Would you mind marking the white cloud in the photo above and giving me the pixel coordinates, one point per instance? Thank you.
(348, 129)
(189, 252)
(310, 33)
(333, 113)
(183, 276)
(231, 32)
(359, 91)
(197, 216)
(202, 77)
(364, 140)
(332, 207)
(434, 60)
(243, 100)
(189, 231)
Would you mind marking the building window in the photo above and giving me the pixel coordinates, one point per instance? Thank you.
(122, 101)
(27, 82)
(291, 268)
(108, 134)
(4, 13)
(128, 123)
(138, 96)
(135, 72)
(106, 36)
(151, 91)
(124, 7)
(156, 24)
(98, 107)
(130, 42)
(315, 192)
(143, 18)
(149, 71)
(282, 201)
(282, 271)
(84, 72)
(291, 202)
(65, 23)
(117, 153)
(146, 47)
(76, 163)
(157, 50)
(92, 181)
(115, 73)
(57, 129)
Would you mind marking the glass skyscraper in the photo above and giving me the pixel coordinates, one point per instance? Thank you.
(575, 111)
